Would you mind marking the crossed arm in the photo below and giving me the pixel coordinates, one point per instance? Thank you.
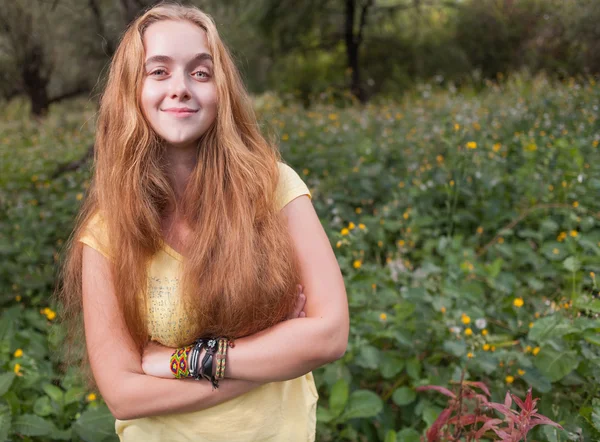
(288, 350)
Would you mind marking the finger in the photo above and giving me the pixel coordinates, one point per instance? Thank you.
(300, 301)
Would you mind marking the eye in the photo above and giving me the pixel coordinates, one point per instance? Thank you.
(157, 72)
(206, 74)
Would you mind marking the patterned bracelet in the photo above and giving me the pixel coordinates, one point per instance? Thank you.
(179, 362)
(221, 357)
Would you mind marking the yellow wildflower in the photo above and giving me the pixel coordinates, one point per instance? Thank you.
(405, 215)
(383, 317)
(550, 187)
(305, 171)
(509, 379)
(500, 240)
(468, 332)
(535, 351)
(497, 147)
(443, 309)
(471, 145)
(79, 196)
(439, 159)
(530, 324)
(470, 355)
(357, 264)
(451, 183)
(358, 210)
(285, 137)
(345, 231)
(401, 184)
(400, 243)
(595, 143)
(479, 230)
(333, 117)
(380, 243)
(456, 126)
(338, 244)
(555, 251)
(573, 233)
(486, 347)
(521, 372)
(17, 369)
(531, 147)
(518, 302)
(91, 397)
(18, 353)
(465, 319)
(561, 236)
(575, 204)
(528, 349)
(18, 298)
(493, 348)
(592, 275)
(361, 226)
(351, 225)
(484, 332)
(50, 315)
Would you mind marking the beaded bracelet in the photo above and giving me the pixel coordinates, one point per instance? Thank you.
(179, 362)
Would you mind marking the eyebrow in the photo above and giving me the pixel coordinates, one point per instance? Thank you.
(166, 59)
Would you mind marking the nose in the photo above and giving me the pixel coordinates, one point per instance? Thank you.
(178, 87)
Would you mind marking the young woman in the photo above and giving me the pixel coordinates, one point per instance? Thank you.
(193, 228)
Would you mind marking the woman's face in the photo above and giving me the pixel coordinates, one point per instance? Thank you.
(179, 96)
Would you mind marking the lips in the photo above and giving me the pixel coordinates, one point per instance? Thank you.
(180, 111)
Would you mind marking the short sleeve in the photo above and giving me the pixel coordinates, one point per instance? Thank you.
(289, 187)
(95, 235)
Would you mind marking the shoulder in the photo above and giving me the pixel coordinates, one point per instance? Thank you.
(95, 234)
(290, 186)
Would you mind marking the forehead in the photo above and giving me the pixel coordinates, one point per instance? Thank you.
(176, 39)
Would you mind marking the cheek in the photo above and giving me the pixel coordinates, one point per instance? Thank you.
(150, 97)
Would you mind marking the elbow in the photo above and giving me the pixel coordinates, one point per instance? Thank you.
(338, 343)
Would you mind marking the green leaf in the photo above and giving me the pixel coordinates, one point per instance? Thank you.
(74, 394)
(390, 436)
(338, 398)
(362, 404)
(413, 368)
(409, 435)
(95, 424)
(368, 357)
(6, 380)
(592, 337)
(5, 418)
(537, 380)
(404, 396)
(572, 264)
(554, 364)
(391, 365)
(42, 406)
(55, 393)
(32, 425)
(550, 327)
(324, 415)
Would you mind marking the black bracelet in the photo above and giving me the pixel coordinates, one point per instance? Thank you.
(207, 363)
(194, 360)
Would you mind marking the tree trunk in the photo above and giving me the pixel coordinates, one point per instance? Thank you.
(353, 41)
(35, 82)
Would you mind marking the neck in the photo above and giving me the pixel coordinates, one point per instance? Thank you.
(180, 162)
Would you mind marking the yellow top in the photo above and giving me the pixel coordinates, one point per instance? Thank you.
(278, 411)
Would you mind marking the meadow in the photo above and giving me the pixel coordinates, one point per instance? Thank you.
(466, 224)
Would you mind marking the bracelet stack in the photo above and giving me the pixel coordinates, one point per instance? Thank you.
(186, 362)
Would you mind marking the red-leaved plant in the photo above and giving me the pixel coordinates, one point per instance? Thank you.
(467, 416)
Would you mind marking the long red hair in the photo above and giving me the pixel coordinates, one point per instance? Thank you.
(240, 272)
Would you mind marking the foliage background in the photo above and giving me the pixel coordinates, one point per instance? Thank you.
(460, 196)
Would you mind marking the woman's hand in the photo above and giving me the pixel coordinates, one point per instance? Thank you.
(299, 310)
(156, 360)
